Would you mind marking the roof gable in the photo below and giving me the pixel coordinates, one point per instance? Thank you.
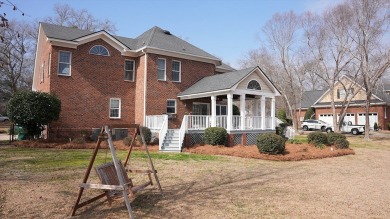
(224, 82)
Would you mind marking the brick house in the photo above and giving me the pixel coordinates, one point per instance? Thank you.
(320, 100)
(156, 79)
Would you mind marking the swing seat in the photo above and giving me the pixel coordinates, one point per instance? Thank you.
(108, 176)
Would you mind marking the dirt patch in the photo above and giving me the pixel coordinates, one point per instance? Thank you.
(293, 152)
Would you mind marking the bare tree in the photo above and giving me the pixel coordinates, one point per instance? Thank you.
(371, 23)
(81, 19)
(16, 59)
(281, 31)
(329, 40)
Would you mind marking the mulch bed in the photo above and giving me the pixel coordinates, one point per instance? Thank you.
(293, 152)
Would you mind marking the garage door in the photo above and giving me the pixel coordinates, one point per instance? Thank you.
(373, 117)
(328, 118)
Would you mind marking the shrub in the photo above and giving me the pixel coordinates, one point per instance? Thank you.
(341, 143)
(388, 126)
(270, 143)
(127, 140)
(376, 126)
(281, 130)
(215, 136)
(147, 135)
(281, 114)
(32, 110)
(309, 113)
(317, 138)
(333, 137)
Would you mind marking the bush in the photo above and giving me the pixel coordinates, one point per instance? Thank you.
(32, 110)
(376, 126)
(317, 138)
(147, 135)
(333, 137)
(79, 140)
(281, 129)
(127, 140)
(309, 113)
(388, 126)
(270, 143)
(341, 143)
(215, 136)
(281, 114)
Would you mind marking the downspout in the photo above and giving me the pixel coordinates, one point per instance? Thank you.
(145, 73)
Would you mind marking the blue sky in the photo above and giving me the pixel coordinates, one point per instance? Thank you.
(227, 29)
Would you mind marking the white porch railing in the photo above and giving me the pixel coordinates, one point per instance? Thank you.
(163, 131)
(182, 131)
(253, 122)
(198, 122)
(155, 122)
(201, 122)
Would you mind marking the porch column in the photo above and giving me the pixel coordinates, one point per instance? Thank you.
(213, 110)
(242, 111)
(262, 106)
(229, 112)
(273, 112)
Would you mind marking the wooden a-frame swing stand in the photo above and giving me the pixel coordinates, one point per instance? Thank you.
(113, 175)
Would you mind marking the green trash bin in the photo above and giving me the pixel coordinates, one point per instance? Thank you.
(20, 131)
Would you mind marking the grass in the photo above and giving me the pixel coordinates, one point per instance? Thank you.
(41, 159)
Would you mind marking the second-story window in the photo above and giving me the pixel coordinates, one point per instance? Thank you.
(99, 50)
(129, 70)
(161, 69)
(64, 63)
(176, 71)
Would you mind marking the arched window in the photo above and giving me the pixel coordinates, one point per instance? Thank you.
(254, 85)
(99, 50)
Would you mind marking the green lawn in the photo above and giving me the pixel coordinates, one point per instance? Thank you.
(43, 159)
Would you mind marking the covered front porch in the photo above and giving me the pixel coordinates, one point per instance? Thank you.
(241, 102)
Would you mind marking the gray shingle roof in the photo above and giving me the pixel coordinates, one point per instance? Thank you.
(217, 82)
(310, 97)
(154, 37)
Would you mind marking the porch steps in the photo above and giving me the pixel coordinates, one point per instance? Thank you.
(171, 141)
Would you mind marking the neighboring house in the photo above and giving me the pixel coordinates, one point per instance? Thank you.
(156, 79)
(321, 101)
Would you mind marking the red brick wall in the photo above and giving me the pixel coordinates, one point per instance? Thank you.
(374, 109)
(94, 80)
(43, 84)
(159, 91)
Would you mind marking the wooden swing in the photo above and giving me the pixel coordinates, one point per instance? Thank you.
(113, 175)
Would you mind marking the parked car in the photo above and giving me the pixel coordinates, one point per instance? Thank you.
(4, 118)
(312, 124)
(347, 127)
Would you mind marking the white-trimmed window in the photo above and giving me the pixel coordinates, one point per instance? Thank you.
(176, 71)
(341, 93)
(99, 50)
(49, 65)
(129, 70)
(171, 106)
(43, 72)
(254, 85)
(161, 69)
(221, 110)
(64, 63)
(115, 108)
